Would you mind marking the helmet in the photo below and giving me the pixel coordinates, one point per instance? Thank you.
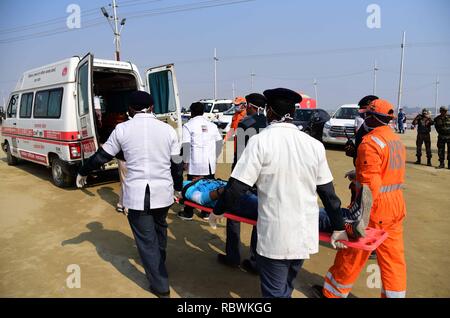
(443, 109)
(424, 111)
(380, 107)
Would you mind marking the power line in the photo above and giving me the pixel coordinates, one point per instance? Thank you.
(138, 14)
(62, 19)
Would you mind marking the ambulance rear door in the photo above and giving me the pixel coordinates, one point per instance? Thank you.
(84, 97)
(161, 82)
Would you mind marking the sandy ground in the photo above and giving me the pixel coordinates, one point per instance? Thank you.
(44, 229)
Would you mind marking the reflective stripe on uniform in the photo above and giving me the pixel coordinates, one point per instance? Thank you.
(393, 294)
(378, 141)
(390, 188)
(332, 290)
(336, 284)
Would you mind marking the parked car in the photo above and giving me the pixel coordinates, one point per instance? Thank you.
(312, 121)
(224, 120)
(341, 127)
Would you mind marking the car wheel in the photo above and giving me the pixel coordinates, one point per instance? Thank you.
(59, 176)
(10, 159)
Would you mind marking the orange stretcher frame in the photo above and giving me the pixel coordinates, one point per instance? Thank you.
(373, 239)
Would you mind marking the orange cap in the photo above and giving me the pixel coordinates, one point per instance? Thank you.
(239, 100)
(380, 107)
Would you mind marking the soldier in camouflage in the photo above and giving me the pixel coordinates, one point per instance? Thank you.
(442, 125)
(423, 122)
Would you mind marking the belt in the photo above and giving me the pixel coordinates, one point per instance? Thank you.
(390, 188)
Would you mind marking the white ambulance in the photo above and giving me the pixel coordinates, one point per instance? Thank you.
(51, 118)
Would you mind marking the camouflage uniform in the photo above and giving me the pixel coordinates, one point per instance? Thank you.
(423, 124)
(442, 124)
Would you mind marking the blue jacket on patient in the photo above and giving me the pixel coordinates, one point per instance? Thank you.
(199, 191)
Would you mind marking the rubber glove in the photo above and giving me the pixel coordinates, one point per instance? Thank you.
(339, 236)
(177, 195)
(214, 219)
(81, 181)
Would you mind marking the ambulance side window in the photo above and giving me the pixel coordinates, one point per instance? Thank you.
(48, 103)
(26, 103)
(12, 107)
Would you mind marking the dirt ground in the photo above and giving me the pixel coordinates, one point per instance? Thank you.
(44, 229)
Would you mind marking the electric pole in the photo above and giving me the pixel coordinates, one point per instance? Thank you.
(252, 76)
(375, 70)
(315, 90)
(114, 23)
(436, 96)
(215, 73)
(400, 84)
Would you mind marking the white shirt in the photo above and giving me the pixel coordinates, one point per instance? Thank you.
(286, 165)
(202, 135)
(97, 104)
(147, 144)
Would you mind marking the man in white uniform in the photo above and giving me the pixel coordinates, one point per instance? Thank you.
(152, 155)
(289, 169)
(202, 144)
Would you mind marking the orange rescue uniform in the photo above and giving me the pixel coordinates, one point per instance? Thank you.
(237, 118)
(380, 164)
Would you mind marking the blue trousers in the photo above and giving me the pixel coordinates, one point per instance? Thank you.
(277, 276)
(150, 233)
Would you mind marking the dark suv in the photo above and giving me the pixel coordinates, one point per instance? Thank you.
(312, 121)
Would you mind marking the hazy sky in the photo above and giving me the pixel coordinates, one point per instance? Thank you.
(286, 43)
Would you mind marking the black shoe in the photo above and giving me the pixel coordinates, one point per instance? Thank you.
(318, 291)
(160, 294)
(184, 216)
(248, 267)
(418, 162)
(429, 162)
(222, 259)
(441, 166)
(204, 216)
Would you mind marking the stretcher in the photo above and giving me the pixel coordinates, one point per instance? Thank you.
(373, 239)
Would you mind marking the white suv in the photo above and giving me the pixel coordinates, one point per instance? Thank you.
(341, 126)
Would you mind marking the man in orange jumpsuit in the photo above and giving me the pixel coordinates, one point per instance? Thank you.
(380, 165)
(241, 112)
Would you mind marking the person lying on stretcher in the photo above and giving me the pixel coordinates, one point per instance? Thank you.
(206, 192)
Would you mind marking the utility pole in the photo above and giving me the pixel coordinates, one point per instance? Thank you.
(436, 96)
(315, 90)
(252, 76)
(215, 73)
(375, 70)
(115, 26)
(400, 84)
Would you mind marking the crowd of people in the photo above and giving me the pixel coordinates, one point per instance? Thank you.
(274, 161)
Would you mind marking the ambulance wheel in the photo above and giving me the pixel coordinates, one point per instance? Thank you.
(59, 176)
(10, 159)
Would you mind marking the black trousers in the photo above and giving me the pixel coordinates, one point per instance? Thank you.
(233, 243)
(189, 211)
(421, 139)
(442, 141)
(150, 233)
